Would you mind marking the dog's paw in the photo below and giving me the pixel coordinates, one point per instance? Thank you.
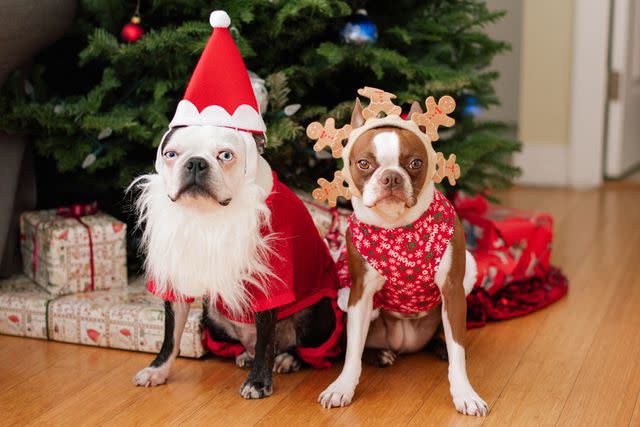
(151, 377)
(286, 363)
(244, 360)
(469, 403)
(379, 358)
(252, 389)
(338, 394)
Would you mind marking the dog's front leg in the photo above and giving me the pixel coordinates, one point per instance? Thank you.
(259, 384)
(449, 278)
(341, 391)
(175, 317)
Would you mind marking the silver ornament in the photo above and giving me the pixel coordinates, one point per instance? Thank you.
(260, 91)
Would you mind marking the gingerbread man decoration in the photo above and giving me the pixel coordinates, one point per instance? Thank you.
(380, 102)
(446, 168)
(330, 191)
(328, 136)
(436, 115)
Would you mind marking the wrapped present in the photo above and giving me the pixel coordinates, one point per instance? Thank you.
(326, 219)
(129, 319)
(74, 249)
(509, 244)
(512, 249)
(23, 308)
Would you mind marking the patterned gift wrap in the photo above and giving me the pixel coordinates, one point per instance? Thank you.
(130, 319)
(509, 244)
(323, 217)
(58, 251)
(23, 307)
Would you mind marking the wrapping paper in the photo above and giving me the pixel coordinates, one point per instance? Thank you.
(325, 219)
(23, 308)
(509, 244)
(57, 252)
(129, 319)
(512, 249)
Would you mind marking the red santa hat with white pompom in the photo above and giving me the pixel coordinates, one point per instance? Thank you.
(220, 92)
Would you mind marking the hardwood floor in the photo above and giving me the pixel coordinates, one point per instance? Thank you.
(574, 363)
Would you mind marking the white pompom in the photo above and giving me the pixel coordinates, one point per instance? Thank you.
(219, 19)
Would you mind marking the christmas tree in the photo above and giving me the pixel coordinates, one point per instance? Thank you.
(97, 105)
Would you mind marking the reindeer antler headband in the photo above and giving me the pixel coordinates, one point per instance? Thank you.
(381, 102)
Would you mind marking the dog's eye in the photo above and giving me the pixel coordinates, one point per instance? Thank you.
(363, 165)
(171, 154)
(415, 164)
(225, 156)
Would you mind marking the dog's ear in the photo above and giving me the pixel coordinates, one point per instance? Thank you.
(261, 142)
(415, 108)
(357, 119)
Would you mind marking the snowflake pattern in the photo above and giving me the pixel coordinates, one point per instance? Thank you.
(407, 257)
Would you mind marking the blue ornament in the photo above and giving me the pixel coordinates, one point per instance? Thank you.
(359, 29)
(472, 107)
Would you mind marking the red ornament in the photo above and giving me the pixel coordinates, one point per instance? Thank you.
(132, 31)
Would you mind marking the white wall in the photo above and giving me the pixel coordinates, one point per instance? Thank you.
(507, 86)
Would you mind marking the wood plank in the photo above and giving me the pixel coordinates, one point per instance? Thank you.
(78, 409)
(34, 358)
(44, 390)
(191, 385)
(537, 391)
(229, 408)
(609, 364)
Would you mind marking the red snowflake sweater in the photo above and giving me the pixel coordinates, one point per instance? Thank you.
(408, 257)
(306, 274)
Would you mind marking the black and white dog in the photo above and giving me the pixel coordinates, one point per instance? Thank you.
(204, 214)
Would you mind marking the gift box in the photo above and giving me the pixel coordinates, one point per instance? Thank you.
(74, 249)
(129, 318)
(23, 308)
(509, 244)
(512, 249)
(327, 220)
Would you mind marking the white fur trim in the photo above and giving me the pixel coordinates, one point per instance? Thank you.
(251, 167)
(244, 118)
(219, 19)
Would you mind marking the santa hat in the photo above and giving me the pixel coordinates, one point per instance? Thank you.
(220, 92)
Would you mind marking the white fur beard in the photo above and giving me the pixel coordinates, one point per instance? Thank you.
(195, 252)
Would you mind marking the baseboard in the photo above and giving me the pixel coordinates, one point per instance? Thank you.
(543, 164)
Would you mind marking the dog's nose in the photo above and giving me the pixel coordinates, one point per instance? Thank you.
(391, 180)
(196, 165)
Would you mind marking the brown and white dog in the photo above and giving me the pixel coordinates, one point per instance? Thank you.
(389, 167)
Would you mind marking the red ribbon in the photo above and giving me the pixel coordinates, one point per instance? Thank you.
(77, 211)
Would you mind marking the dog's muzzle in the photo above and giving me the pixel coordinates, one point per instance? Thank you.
(196, 181)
